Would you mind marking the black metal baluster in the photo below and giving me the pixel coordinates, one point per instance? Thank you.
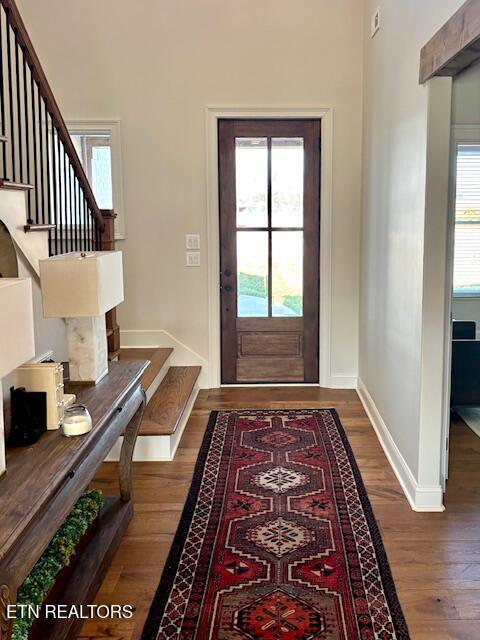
(47, 167)
(89, 227)
(34, 139)
(19, 109)
(73, 230)
(92, 230)
(67, 226)
(71, 175)
(27, 138)
(85, 222)
(2, 99)
(95, 233)
(77, 214)
(10, 95)
(68, 176)
(54, 189)
(41, 158)
(82, 226)
(60, 199)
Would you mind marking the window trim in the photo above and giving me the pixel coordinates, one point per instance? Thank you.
(111, 128)
(461, 134)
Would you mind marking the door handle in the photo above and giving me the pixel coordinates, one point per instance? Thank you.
(227, 288)
(227, 273)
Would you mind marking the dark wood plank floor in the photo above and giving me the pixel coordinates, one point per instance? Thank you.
(435, 558)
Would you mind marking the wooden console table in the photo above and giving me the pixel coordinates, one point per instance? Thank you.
(44, 481)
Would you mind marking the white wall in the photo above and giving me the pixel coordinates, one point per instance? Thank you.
(392, 275)
(466, 97)
(157, 67)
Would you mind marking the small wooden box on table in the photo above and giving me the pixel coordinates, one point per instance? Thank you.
(44, 481)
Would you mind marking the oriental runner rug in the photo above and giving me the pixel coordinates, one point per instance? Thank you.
(277, 540)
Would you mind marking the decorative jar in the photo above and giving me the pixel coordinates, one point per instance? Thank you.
(77, 421)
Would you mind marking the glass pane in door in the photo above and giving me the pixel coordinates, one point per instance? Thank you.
(287, 182)
(287, 273)
(252, 274)
(251, 175)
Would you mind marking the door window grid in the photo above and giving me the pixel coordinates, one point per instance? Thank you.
(269, 171)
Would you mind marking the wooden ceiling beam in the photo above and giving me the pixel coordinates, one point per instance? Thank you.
(455, 46)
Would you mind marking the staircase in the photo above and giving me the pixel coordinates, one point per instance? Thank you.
(171, 392)
(49, 208)
(38, 159)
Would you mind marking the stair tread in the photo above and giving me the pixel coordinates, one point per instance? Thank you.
(168, 403)
(38, 227)
(9, 184)
(157, 356)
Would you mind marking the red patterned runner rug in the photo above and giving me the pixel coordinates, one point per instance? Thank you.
(277, 540)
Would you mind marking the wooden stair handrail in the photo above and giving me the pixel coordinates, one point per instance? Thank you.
(46, 92)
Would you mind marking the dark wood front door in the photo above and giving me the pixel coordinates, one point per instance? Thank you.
(269, 249)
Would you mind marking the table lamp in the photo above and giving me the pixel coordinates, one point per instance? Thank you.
(81, 287)
(17, 342)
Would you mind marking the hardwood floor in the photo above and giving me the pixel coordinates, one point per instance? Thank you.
(435, 558)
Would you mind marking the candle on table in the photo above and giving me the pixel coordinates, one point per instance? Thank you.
(77, 421)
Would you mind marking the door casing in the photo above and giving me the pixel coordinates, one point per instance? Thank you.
(325, 115)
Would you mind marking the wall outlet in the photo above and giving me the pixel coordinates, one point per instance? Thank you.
(192, 241)
(193, 258)
(375, 23)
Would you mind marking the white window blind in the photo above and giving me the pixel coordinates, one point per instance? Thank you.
(466, 273)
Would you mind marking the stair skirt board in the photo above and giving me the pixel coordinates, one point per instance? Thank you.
(156, 382)
(157, 448)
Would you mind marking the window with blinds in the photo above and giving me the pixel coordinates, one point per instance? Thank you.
(466, 272)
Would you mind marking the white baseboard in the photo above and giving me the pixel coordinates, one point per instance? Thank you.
(147, 449)
(182, 355)
(343, 382)
(421, 498)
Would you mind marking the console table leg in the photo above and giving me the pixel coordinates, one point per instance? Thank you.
(125, 464)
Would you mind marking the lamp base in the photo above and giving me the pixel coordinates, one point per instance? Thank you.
(87, 349)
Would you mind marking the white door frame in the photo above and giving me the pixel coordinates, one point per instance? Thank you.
(428, 486)
(460, 134)
(325, 115)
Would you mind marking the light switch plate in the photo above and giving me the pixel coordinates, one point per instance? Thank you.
(192, 241)
(193, 258)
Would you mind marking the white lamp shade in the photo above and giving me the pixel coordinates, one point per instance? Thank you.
(76, 285)
(17, 342)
